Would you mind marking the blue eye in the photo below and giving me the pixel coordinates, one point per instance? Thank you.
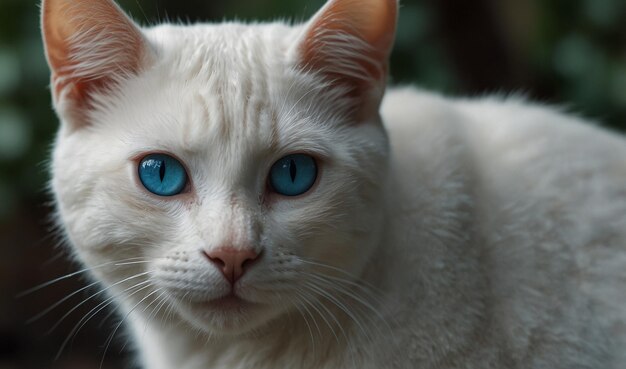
(162, 175)
(293, 175)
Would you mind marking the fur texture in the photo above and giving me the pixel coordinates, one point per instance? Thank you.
(442, 233)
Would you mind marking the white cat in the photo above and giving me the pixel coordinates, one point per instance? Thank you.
(247, 201)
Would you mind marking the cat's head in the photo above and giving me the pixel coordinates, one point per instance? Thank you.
(230, 171)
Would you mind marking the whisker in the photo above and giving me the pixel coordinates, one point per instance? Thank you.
(70, 275)
(101, 306)
(156, 309)
(91, 297)
(110, 339)
(317, 327)
(349, 293)
(351, 276)
(108, 316)
(357, 317)
(314, 307)
(337, 303)
(354, 295)
(330, 313)
(134, 263)
(341, 329)
(364, 288)
(149, 317)
(55, 305)
(169, 311)
(296, 304)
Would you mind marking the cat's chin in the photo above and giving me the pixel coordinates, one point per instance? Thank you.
(229, 315)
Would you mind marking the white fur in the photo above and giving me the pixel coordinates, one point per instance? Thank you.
(485, 233)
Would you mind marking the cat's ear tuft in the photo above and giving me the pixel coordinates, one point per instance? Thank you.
(349, 42)
(91, 45)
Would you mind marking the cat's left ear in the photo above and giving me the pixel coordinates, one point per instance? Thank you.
(349, 43)
(91, 46)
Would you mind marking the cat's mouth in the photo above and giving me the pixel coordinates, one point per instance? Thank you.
(230, 314)
(227, 303)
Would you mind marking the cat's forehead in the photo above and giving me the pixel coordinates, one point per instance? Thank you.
(219, 87)
(228, 52)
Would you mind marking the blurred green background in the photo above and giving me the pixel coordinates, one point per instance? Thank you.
(563, 52)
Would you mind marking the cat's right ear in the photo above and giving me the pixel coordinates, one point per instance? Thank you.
(91, 46)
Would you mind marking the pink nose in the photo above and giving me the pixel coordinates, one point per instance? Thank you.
(232, 262)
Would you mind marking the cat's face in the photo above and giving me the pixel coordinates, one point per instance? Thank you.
(227, 247)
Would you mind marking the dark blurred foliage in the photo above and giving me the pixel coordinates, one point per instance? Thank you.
(564, 52)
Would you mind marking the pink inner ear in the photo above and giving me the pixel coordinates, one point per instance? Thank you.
(350, 41)
(90, 44)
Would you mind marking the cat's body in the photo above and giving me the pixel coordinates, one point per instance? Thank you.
(510, 267)
(541, 247)
(465, 234)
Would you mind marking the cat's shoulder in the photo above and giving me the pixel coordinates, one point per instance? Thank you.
(508, 142)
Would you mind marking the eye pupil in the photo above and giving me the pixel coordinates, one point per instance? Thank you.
(293, 170)
(162, 170)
